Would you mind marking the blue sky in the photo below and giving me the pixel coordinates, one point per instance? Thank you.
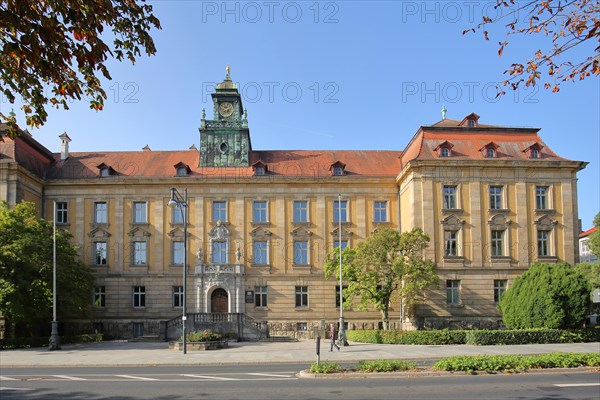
(330, 75)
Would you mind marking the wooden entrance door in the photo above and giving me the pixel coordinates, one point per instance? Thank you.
(219, 301)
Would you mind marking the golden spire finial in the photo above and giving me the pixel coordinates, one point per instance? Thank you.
(227, 69)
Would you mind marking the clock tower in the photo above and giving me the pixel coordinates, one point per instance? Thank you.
(225, 140)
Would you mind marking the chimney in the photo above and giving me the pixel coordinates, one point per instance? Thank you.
(64, 146)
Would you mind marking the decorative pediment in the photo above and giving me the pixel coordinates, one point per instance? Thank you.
(499, 222)
(99, 233)
(219, 232)
(545, 223)
(346, 234)
(301, 233)
(260, 233)
(452, 222)
(175, 233)
(138, 232)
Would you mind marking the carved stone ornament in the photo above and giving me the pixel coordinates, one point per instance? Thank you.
(260, 233)
(346, 234)
(175, 233)
(301, 233)
(219, 232)
(545, 223)
(452, 222)
(499, 222)
(138, 232)
(99, 233)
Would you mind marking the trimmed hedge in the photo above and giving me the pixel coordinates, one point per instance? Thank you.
(385, 365)
(476, 337)
(325, 368)
(25, 343)
(515, 362)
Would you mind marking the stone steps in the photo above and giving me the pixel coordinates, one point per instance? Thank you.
(278, 339)
(145, 339)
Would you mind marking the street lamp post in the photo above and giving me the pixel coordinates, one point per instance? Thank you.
(54, 338)
(182, 203)
(341, 331)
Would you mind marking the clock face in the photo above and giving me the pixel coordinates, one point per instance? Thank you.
(226, 109)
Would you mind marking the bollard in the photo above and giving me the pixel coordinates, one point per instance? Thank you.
(318, 349)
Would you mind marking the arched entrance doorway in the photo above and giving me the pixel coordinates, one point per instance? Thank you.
(219, 301)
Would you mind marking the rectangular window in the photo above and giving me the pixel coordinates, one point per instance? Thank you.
(300, 253)
(139, 212)
(260, 253)
(340, 211)
(139, 253)
(259, 211)
(300, 211)
(301, 326)
(496, 243)
(100, 250)
(380, 211)
(219, 252)
(61, 212)
(99, 296)
(301, 296)
(260, 296)
(452, 292)
(219, 211)
(100, 212)
(139, 296)
(337, 295)
(499, 289)
(543, 243)
(451, 243)
(177, 296)
(336, 243)
(449, 201)
(541, 197)
(177, 215)
(496, 197)
(178, 253)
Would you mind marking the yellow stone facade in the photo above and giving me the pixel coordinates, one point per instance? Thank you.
(492, 243)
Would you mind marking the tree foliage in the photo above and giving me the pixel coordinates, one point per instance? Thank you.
(56, 51)
(26, 269)
(568, 26)
(385, 266)
(546, 296)
(594, 238)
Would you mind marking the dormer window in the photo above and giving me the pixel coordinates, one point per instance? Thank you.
(490, 150)
(338, 168)
(444, 149)
(471, 123)
(471, 120)
(105, 170)
(182, 169)
(260, 168)
(535, 150)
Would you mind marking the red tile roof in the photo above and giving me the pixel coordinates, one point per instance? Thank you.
(588, 232)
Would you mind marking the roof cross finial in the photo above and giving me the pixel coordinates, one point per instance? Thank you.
(444, 111)
(228, 70)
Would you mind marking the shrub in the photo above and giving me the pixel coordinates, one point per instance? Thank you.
(546, 296)
(408, 337)
(202, 336)
(384, 365)
(25, 343)
(325, 368)
(511, 362)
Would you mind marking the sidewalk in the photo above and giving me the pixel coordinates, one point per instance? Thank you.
(145, 354)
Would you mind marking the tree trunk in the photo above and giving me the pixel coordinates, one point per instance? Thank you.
(385, 319)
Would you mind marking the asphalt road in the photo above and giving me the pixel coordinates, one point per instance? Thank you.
(279, 382)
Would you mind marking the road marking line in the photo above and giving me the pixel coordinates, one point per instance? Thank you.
(576, 384)
(273, 375)
(14, 388)
(219, 378)
(6, 378)
(69, 378)
(141, 378)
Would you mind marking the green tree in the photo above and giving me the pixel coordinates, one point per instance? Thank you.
(383, 267)
(594, 242)
(56, 51)
(546, 296)
(570, 51)
(26, 268)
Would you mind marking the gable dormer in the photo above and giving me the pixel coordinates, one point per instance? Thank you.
(260, 168)
(490, 150)
(105, 170)
(471, 121)
(534, 151)
(444, 149)
(182, 169)
(338, 168)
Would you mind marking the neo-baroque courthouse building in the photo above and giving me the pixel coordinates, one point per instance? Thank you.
(493, 199)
